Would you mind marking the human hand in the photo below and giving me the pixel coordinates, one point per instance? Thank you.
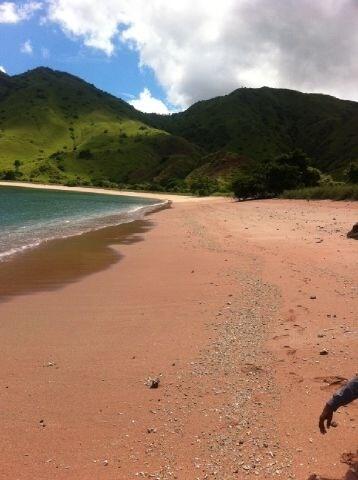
(325, 417)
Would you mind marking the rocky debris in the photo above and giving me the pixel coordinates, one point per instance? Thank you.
(324, 352)
(354, 232)
(42, 423)
(247, 444)
(351, 459)
(153, 382)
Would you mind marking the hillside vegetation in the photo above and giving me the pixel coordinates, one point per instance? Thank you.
(62, 129)
(264, 122)
(54, 127)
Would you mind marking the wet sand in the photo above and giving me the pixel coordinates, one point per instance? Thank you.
(216, 301)
(59, 262)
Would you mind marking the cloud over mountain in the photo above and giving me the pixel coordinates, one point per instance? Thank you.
(149, 104)
(206, 48)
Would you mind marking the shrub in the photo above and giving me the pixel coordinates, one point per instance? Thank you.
(282, 177)
(333, 191)
(202, 186)
(352, 173)
(311, 177)
(17, 165)
(8, 175)
(177, 185)
(71, 182)
(246, 185)
(86, 154)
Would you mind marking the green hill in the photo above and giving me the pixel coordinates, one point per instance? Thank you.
(265, 122)
(61, 129)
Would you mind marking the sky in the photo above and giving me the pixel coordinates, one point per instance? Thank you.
(164, 55)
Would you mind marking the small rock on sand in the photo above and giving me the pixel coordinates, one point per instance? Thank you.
(153, 382)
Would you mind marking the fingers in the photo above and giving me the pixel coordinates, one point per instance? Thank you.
(321, 425)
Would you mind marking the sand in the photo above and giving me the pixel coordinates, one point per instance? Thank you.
(229, 304)
(164, 196)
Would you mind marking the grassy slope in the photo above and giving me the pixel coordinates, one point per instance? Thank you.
(265, 122)
(47, 118)
(43, 112)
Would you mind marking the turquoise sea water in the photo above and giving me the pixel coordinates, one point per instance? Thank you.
(29, 217)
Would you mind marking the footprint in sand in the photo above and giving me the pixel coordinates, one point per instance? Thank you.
(291, 316)
(290, 350)
(278, 337)
(299, 328)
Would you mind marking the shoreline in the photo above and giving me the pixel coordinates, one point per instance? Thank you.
(17, 262)
(60, 261)
(160, 196)
(216, 303)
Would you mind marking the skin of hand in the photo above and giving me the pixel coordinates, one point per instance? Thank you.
(326, 416)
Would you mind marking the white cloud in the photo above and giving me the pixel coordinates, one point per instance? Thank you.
(26, 47)
(205, 48)
(96, 25)
(146, 103)
(13, 12)
(2, 69)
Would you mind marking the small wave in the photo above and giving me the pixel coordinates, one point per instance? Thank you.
(94, 224)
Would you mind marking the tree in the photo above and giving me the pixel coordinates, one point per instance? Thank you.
(248, 185)
(282, 177)
(17, 165)
(285, 172)
(311, 177)
(296, 158)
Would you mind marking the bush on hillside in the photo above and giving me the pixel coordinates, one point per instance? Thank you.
(177, 185)
(17, 165)
(85, 154)
(311, 177)
(8, 175)
(352, 172)
(202, 186)
(333, 191)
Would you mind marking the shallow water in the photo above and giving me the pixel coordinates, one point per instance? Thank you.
(31, 217)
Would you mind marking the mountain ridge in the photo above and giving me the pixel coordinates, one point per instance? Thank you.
(63, 129)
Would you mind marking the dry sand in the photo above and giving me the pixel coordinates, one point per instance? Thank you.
(216, 299)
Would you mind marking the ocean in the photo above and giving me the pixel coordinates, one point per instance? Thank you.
(29, 217)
